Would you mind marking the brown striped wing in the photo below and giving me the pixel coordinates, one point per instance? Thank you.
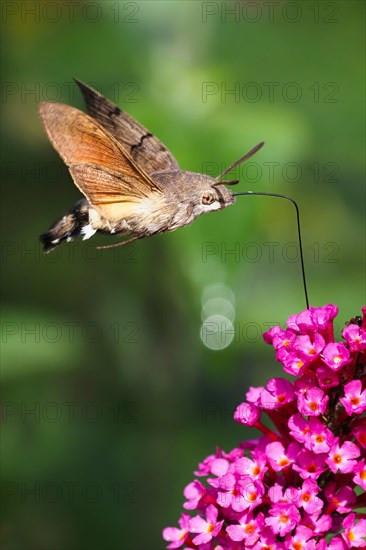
(145, 149)
(103, 171)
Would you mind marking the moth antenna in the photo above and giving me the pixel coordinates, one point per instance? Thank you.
(242, 159)
(234, 182)
(298, 230)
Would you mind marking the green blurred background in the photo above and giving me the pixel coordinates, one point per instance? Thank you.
(115, 380)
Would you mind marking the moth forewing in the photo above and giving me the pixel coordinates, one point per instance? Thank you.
(145, 148)
(101, 169)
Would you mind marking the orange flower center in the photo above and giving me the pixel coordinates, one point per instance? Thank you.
(284, 518)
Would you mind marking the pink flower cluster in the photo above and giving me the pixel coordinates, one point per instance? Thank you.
(300, 484)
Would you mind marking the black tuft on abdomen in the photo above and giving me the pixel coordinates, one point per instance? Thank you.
(66, 228)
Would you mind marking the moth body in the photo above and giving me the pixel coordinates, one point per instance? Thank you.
(132, 184)
(149, 216)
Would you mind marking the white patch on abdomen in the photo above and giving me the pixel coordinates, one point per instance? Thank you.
(88, 231)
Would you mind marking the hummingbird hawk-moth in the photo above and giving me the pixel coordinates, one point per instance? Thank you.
(132, 184)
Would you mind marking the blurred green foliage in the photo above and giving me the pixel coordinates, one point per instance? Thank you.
(113, 398)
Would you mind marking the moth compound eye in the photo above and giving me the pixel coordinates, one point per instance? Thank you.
(208, 198)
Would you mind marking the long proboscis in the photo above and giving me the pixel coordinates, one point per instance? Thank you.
(240, 161)
(298, 230)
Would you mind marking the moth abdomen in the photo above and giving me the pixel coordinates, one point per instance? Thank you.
(67, 228)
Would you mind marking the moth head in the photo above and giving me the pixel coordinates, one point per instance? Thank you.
(209, 195)
(216, 196)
